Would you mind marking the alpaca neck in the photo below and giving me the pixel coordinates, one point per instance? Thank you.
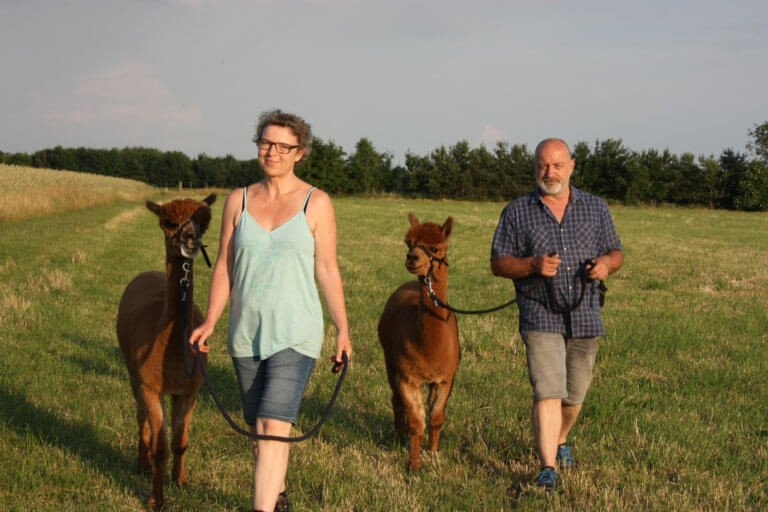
(173, 289)
(428, 309)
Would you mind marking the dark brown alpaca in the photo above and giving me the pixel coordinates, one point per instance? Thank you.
(421, 340)
(150, 332)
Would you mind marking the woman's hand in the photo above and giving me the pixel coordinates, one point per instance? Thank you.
(343, 344)
(201, 335)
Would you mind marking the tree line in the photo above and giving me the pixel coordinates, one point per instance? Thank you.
(733, 180)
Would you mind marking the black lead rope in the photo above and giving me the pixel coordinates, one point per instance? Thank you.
(198, 359)
(521, 295)
(584, 282)
(527, 293)
(262, 437)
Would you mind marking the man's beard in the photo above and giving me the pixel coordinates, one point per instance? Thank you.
(552, 188)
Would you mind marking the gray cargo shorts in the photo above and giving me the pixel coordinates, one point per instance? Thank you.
(558, 366)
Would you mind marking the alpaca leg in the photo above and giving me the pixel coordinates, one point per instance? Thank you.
(438, 397)
(182, 407)
(414, 410)
(400, 419)
(398, 410)
(145, 438)
(145, 433)
(158, 448)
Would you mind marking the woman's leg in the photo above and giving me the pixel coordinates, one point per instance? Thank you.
(271, 463)
(285, 377)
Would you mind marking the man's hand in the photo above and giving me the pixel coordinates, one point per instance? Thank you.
(546, 265)
(606, 264)
(599, 270)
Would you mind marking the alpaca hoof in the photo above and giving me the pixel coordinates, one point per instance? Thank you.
(143, 466)
(180, 478)
(156, 502)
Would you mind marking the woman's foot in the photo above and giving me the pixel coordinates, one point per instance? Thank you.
(282, 504)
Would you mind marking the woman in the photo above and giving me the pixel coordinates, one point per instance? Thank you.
(273, 234)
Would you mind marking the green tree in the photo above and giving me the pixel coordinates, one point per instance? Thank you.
(484, 174)
(22, 159)
(603, 171)
(712, 175)
(753, 187)
(418, 172)
(325, 167)
(689, 187)
(662, 171)
(515, 166)
(366, 169)
(733, 165)
(639, 187)
(759, 143)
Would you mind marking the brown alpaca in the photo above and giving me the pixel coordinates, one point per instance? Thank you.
(421, 340)
(151, 336)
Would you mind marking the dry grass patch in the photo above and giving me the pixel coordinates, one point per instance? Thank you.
(26, 192)
(12, 305)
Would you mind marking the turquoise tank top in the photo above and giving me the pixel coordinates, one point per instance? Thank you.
(274, 300)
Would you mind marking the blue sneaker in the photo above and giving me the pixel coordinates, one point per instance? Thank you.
(547, 478)
(565, 457)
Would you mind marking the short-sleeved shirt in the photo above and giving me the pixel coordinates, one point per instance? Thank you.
(528, 227)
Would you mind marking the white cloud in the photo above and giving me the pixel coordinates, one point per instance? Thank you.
(491, 135)
(126, 93)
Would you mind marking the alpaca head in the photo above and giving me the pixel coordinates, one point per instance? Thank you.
(427, 245)
(183, 221)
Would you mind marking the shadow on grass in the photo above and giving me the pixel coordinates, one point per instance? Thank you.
(350, 422)
(224, 383)
(520, 483)
(82, 440)
(97, 365)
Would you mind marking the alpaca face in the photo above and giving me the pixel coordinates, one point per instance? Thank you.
(183, 222)
(427, 245)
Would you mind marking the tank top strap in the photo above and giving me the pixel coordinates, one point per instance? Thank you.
(306, 200)
(245, 197)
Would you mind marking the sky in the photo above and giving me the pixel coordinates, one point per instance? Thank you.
(411, 76)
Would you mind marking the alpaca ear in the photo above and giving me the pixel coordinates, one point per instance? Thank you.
(155, 208)
(413, 219)
(210, 199)
(203, 217)
(447, 227)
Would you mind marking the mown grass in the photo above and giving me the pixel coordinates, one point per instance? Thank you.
(676, 418)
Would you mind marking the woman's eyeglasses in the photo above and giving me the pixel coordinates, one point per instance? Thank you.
(282, 148)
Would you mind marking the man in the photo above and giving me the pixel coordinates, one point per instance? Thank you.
(557, 232)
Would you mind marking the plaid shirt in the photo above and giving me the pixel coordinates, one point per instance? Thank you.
(527, 228)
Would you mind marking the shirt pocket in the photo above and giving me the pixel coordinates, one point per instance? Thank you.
(538, 240)
(587, 238)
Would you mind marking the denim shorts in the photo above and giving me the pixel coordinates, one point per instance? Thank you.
(558, 366)
(273, 388)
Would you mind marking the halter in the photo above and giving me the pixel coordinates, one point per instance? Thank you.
(198, 232)
(429, 276)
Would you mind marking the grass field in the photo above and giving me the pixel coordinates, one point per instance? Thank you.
(677, 418)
